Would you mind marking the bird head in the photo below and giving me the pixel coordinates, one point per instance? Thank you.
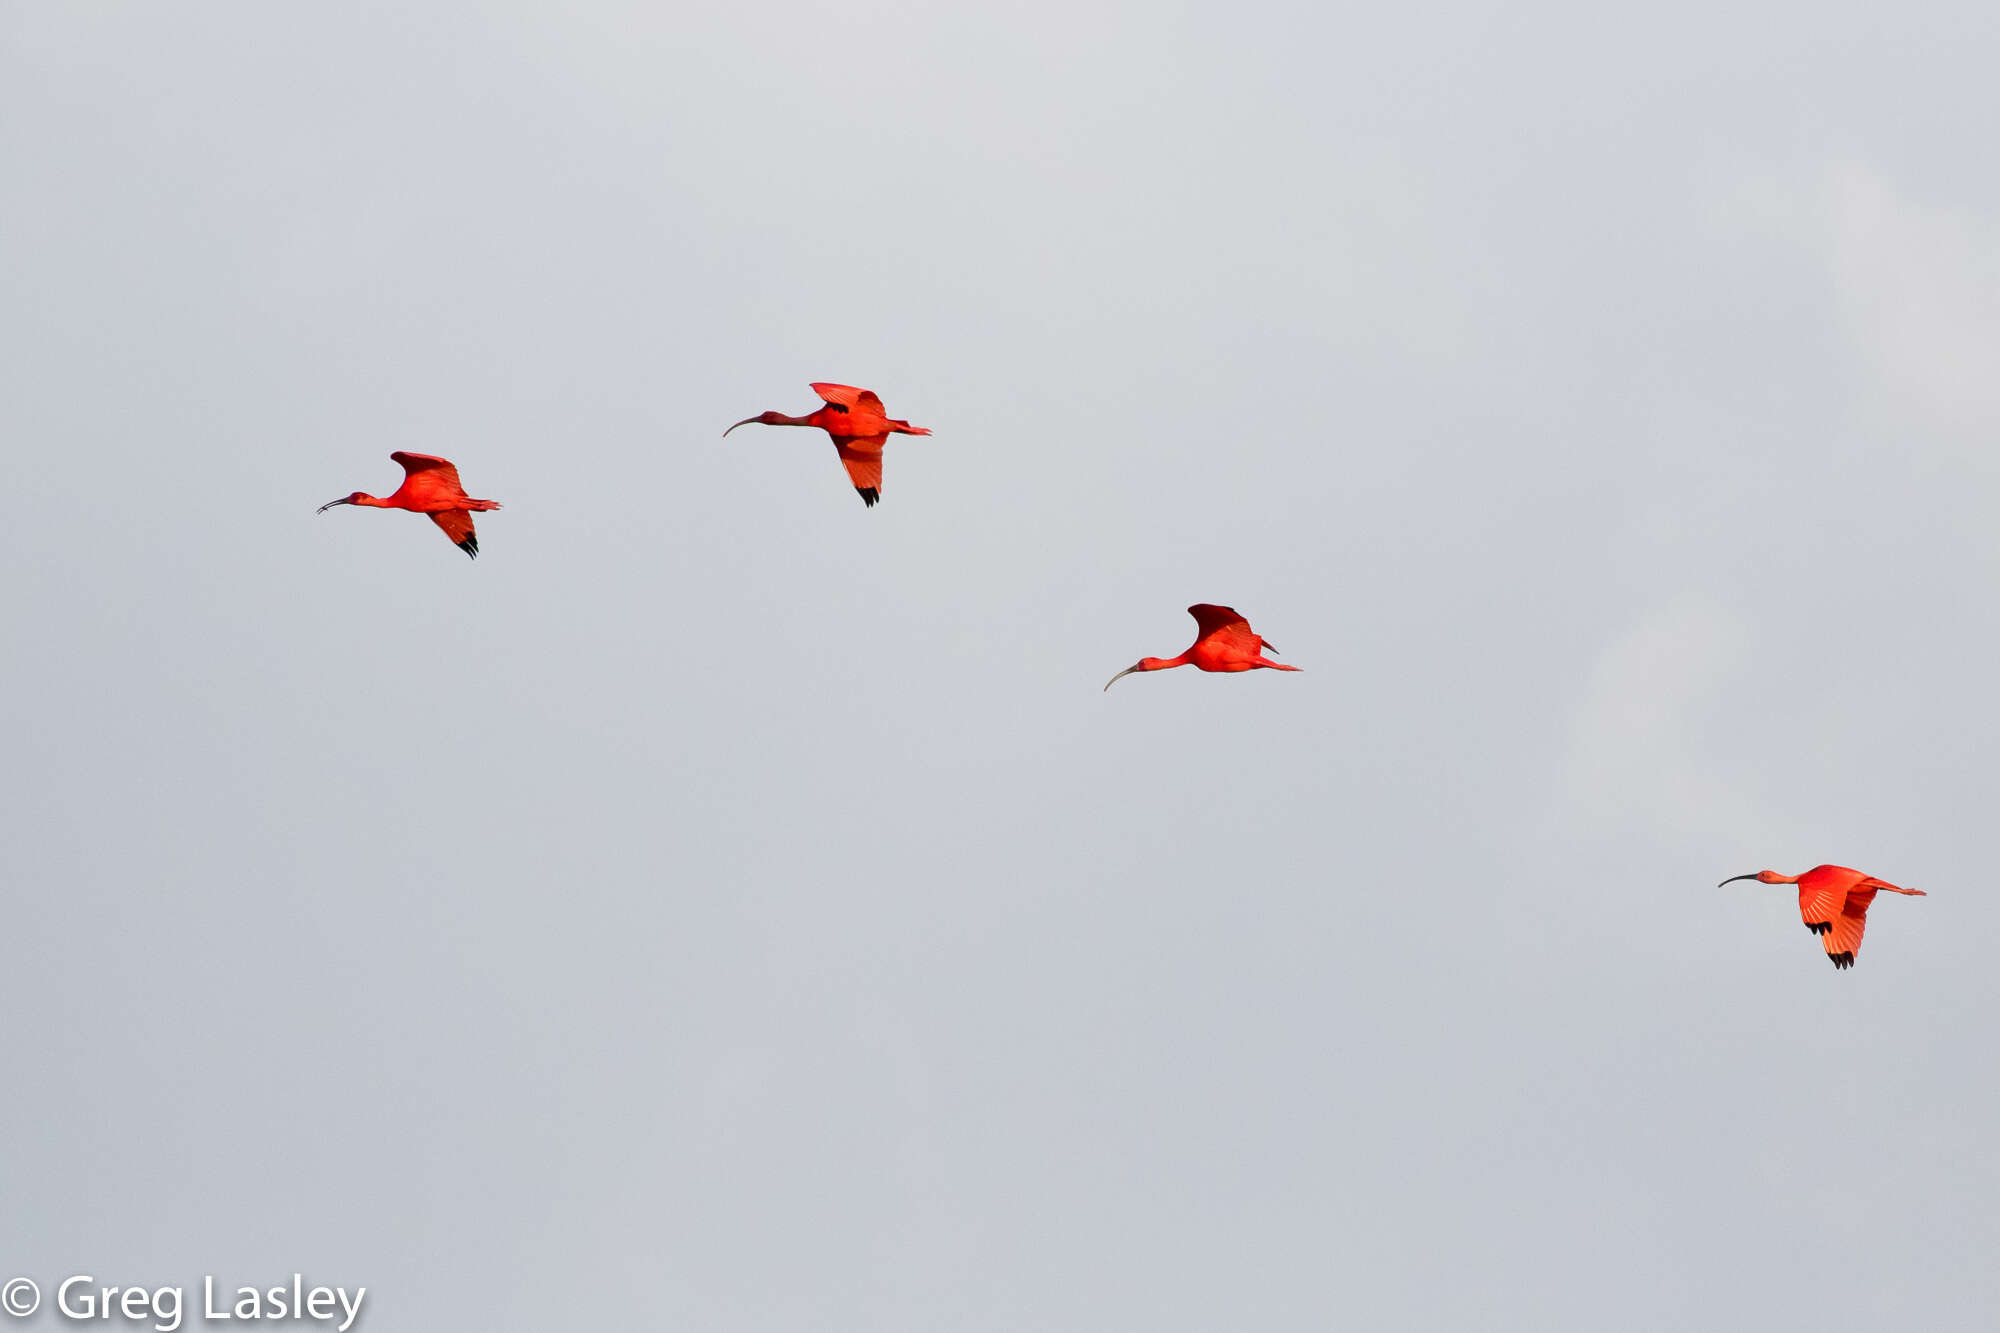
(353, 499)
(1763, 877)
(1143, 664)
(765, 419)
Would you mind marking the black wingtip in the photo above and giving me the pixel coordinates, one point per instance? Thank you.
(869, 495)
(470, 546)
(1819, 927)
(1842, 961)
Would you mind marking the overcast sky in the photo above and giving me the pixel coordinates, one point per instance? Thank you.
(725, 907)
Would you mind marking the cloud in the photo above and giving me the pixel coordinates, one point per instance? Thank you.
(1920, 288)
(1636, 762)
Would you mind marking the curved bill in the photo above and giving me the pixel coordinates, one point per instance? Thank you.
(1114, 680)
(745, 422)
(343, 500)
(1733, 878)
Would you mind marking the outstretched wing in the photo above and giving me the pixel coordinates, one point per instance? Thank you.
(1843, 936)
(415, 463)
(429, 476)
(853, 399)
(1819, 908)
(862, 457)
(1223, 622)
(1212, 618)
(457, 525)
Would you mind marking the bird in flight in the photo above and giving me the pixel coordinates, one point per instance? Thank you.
(430, 486)
(1833, 902)
(859, 425)
(1224, 644)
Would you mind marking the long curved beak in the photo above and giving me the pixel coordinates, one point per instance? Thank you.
(745, 422)
(331, 503)
(1733, 878)
(1114, 680)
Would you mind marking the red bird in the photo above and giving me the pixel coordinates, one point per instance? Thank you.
(1833, 902)
(430, 486)
(1225, 644)
(859, 426)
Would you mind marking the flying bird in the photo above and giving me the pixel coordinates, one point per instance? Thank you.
(1833, 902)
(430, 486)
(1225, 644)
(859, 425)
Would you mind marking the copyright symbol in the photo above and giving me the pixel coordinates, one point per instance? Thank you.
(20, 1297)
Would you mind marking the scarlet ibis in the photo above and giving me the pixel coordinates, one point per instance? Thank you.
(430, 486)
(859, 426)
(1224, 644)
(1833, 902)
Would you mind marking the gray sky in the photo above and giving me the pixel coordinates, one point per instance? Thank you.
(723, 907)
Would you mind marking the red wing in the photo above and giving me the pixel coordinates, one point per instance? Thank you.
(1222, 622)
(415, 463)
(851, 398)
(1212, 618)
(863, 460)
(1819, 908)
(457, 525)
(1843, 939)
(429, 475)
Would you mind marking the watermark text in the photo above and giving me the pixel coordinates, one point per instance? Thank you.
(82, 1297)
